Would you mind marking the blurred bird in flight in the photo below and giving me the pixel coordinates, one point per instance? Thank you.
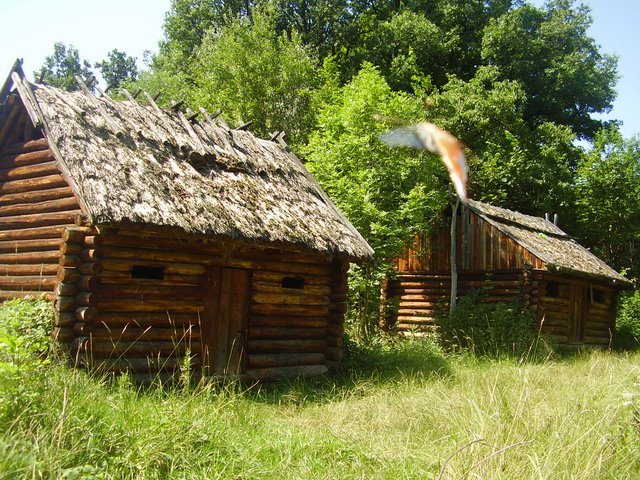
(425, 135)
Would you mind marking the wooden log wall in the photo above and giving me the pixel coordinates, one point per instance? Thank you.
(600, 322)
(576, 311)
(480, 248)
(415, 299)
(36, 205)
(295, 316)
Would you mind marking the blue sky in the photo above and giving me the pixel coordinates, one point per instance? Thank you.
(31, 27)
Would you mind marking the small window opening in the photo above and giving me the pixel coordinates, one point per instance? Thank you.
(147, 273)
(553, 289)
(597, 295)
(293, 282)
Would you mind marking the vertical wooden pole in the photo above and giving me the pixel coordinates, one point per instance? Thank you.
(454, 269)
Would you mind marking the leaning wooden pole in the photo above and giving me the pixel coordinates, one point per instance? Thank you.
(454, 269)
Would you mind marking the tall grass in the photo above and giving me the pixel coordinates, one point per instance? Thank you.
(398, 411)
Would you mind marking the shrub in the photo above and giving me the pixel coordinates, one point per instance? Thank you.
(628, 321)
(390, 355)
(492, 329)
(25, 341)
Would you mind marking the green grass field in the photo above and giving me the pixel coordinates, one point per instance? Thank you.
(400, 412)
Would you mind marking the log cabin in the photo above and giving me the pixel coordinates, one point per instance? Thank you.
(512, 256)
(161, 235)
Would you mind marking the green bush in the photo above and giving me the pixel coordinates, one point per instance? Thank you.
(492, 329)
(389, 356)
(628, 321)
(25, 341)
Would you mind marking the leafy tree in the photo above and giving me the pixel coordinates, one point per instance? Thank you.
(117, 68)
(511, 164)
(608, 199)
(60, 68)
(389, 194)
(565, 77)
(253, 73)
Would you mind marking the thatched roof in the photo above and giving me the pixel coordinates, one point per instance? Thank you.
(545, 240)
(138, 164)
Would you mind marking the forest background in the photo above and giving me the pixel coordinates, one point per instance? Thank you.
(521, 86)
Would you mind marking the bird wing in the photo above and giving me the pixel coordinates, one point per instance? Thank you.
(425, 135)
(402, 136)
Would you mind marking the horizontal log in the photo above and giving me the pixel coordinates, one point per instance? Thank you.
(27, 282)
(63, 319)
(286, 333)
(86, 299)
(67, 274)
(35, 245)
(599, 332)
(289, 299)
(143, 364)
(88, 283)
(9, 294)
(122, 268)
(28, 171)
(28, 146)
(333, 353)
(92, 241)
(146, 240)
(69, 261)
(170, 280)
(22, 158)
(39, 208)
(40, 270)
(65, 289)
(597, 340)
(145, 319)
(332, 341)
(284, 372)
(67, 248)
(171, 305)
(19, 203)
(29, 258)
(285, 321)
(286, 346)
(176, 256)
(290, 310)
(152, 292)
(129, 333)
(91, 255)
(415, 320)
(285, 360)
(62, 334)
(276, 277)
(86, 314)
(54, 231)
(273, 287)
(335, 308)
(32, 184)
(124, 348)
(90, 268)
(335, 329)
(37, 220)
(65, 304)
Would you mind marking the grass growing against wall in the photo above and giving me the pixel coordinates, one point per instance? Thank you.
(396, 412)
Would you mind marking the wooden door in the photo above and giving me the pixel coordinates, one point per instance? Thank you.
(577, 312)
(225, 326)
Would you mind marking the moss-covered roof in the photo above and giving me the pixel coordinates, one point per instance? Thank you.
(138, 164)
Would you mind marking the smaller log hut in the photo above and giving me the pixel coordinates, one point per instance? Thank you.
(160, 234)
(572, 293)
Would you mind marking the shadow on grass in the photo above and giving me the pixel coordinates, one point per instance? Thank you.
(365, 366)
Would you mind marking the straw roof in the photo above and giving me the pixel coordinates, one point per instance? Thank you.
(138, 164)
(546, 241)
